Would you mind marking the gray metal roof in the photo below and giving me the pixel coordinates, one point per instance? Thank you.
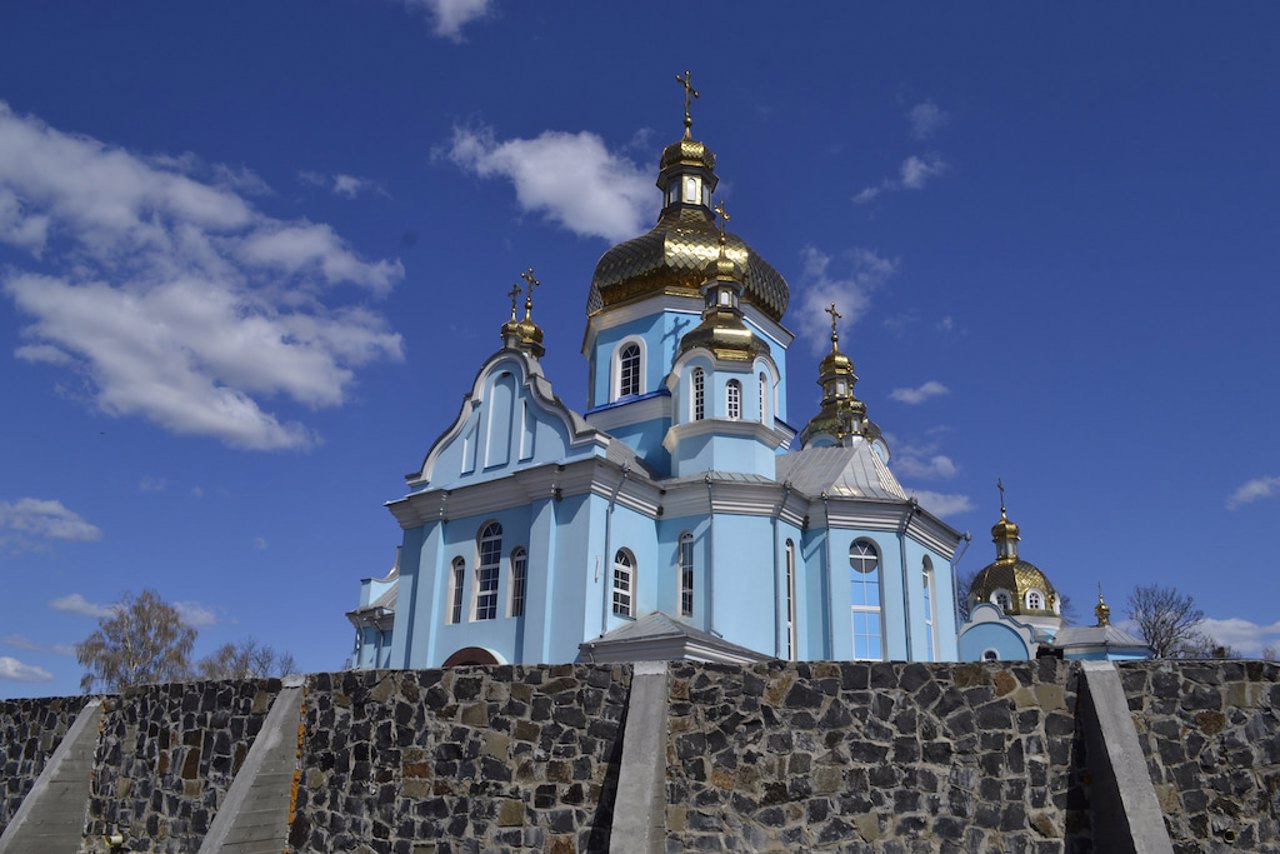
(855, 471)
(1095, 636)
(659, 626)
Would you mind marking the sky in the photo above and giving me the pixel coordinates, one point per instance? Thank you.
(252, 254)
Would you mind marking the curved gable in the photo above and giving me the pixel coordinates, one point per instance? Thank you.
(509, 420)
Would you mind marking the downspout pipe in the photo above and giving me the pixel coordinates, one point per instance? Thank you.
(711, 555)
(607, 561)
(955, 576)
(827, 593)
(906, 582)
(779, 584)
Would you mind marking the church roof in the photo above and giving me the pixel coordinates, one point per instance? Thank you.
(1097, 636)
(852, 471)
(660, 637)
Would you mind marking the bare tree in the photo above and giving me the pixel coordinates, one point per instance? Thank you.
(245, 660)
(143, 640)
(1169, 622)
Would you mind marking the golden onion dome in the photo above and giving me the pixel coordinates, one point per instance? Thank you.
(1016, 577)
(1004, 529)
(835, 363)
(687, 152)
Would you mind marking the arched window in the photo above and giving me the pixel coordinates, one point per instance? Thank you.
(686, 574)
(764, 385)
(791, 600)
(864, 601)
(624, 580)
(519, 569)
(990, 655)
(733, 400)
(699, 394)
(459, 577)
(486, 586)
(629, 369)
(1002, 600)
(1034, 600)
(927, 580)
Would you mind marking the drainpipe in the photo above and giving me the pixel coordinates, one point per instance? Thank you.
(955, 577)
(779, 602)
(828, 617)
(906, 584)
(711, 555)
(608, 553)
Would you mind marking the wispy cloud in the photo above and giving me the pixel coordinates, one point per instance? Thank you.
(175, 297)
(848, 282)
(1254, 490)
(571, 179)
(74, 603)
(936, 467)
(260, 543)
(1243, 635)
(940, 503)
(195, 614)
(152, 484)
(43, 519)
(21, 642)
(12, 668)
(341, 184)
(914, 173)
(450, 16)
(920, 393)
(197, 492)
(926, 118)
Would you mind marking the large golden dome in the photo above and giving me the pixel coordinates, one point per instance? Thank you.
(1017, 577)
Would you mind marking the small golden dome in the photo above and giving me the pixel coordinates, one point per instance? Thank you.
(1017, 577)
(687, 152)
(1004, 529)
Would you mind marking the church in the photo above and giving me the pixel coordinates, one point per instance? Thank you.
(684, 514)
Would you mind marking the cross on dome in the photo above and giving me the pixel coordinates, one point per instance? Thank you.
(689, 94)
(514, 293)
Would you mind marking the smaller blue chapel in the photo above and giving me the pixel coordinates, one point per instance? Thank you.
(681, 515)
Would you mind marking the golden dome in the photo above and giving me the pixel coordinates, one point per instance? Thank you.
(1017, 577)
(687, 152)
(1004, 529)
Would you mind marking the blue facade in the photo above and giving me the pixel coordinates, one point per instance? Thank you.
(532, 533)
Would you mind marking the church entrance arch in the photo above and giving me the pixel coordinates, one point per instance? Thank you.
(471, 655)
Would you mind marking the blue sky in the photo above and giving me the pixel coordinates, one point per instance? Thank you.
(252, 254)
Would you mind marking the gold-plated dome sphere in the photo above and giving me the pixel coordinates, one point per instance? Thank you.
(1017, 577)
(687, 152)
(1004, 529)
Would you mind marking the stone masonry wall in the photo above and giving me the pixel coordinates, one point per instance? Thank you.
(1211, 735)
(29, 733)
(167, 755)
(889, 758)
(469, 759)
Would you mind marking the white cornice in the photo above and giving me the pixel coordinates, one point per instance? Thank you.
(723, 427)
(648, 408)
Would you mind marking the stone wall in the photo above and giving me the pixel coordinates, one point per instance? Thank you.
(470, 759)
(167, 755)
(876, 758)
(1211, 735)
(29, 733)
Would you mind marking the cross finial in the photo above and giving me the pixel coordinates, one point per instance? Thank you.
(835, 315)
(689, 94)
(514, 293)
(724, 217)
(528, 276)
(1000, 486)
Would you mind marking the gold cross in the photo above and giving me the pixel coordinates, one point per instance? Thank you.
(724, 215)
(527, 275)
(1000, 486)
(514, 293)
(689, 94)
(835, 315)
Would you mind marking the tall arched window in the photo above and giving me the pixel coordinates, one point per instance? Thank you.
(624, 579)
(486, 586)
(519, 570)
(927, 580)
(764, 385)
(791, 600)
(699, 382)
(629, 369)
(864, 601)
(733, 400)
(686, 574)
(458, 574)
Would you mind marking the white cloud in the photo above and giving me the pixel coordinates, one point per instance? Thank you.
(22, 642)
(939, 503)
(572, 179)
(177, 299)
(12, 668)
(260, 543)
(946, 324)
(197, 492)
(850, 289)
(152, 484)
(341, 184)
(867, 194)
(936, 467)
(46, 520)
(74, 603)
(1243, 635)
(919, 394)
(918, 171)
(926, 117)
(451, 15)
(1254, 490)
(196, 615)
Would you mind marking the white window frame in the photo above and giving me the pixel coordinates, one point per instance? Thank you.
(733, 400)
(518, 588)
(629, 341)
(624, 583)
(790, 582)
(488, 573)
(1038, 605)
(990, 654)
(858, 559)
(764, 384)
(457, 583)
(684, 567)
(698, 394)
(928, 580)
(1001, 594)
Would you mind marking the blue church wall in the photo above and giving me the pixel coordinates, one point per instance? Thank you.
(712, 452)
(813, 586)
(738, 611)
(778, 350)
(943, 647)
(668, 569)
(999, 636)
(645, 438)
(659, 336)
